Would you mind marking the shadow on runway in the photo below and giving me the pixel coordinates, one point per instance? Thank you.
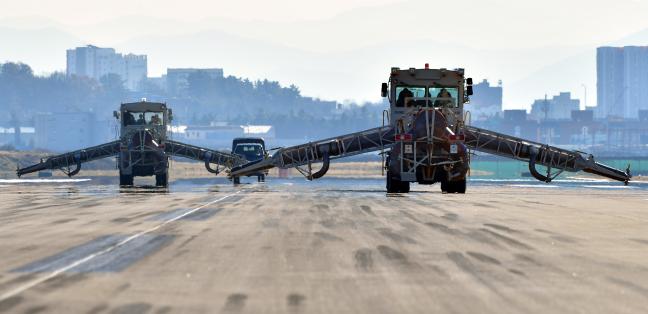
(356, 191)
(379, 191)
(144, 189)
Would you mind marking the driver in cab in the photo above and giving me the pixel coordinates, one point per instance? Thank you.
(155, 120)
(443, 99)
(402, 96)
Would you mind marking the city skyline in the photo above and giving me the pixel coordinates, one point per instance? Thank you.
(330, 56)
(620, 75)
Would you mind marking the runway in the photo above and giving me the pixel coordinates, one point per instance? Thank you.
(333, 246)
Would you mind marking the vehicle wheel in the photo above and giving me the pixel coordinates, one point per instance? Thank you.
(236, 180)
(444, 186)
(392, 186)
(162, 180)
(404, 186)
(396, 186)
(460, 186)
(454, 187)
(125, 180)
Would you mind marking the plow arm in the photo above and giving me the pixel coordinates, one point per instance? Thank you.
(208, 156)
(322, 152)
(554, 158)
(74, 158)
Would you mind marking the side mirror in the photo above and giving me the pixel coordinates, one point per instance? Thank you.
(383, 90)
(469, 81)
(116, 114)
(469, 90)
(170, 115)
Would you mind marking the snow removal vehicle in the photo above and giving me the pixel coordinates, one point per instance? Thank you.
(143, 148)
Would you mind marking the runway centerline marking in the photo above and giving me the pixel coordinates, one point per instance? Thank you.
(76, 263)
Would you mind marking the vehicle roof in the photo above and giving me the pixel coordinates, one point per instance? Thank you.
(144, 106)
(248, 140)
(441, 77)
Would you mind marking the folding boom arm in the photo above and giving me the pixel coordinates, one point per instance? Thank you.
(209, 156)
(322, 151)
(75, 158)
(535, 153)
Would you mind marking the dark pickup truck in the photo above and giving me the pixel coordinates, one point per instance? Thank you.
(252, 149)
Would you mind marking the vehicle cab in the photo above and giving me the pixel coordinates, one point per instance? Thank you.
(410, 90)
(252, 149)
(144, 115)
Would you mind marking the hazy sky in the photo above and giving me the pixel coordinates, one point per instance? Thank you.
(338, 49)
(578, 20)
(90, 11)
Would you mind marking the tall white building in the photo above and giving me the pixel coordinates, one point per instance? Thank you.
(622, 81)
(94, 62)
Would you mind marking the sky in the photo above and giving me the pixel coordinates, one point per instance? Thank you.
(339, 49)
(89, 11)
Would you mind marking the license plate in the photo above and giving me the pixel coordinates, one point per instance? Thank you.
(453, 148)
(408, 149)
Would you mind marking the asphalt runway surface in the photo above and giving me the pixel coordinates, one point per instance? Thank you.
(330, 246)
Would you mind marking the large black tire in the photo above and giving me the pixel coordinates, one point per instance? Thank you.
(396, 186)
(392, 185)
(444, 186)
(404, 186)
(236, 180)
(125, 179)
(460, 186)
(454, 186)
(162, 180)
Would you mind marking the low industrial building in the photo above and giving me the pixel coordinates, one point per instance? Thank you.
(22, 139)
(68, 131)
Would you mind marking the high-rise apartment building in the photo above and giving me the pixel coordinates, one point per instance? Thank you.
(95, 62)
(622, 81)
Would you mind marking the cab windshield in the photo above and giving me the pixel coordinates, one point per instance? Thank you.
(416, 96)
(143, 118)
(251, 152)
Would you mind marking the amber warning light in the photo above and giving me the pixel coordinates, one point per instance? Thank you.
(403, 137)
(457, 138)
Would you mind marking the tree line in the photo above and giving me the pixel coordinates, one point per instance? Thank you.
(205, 99)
